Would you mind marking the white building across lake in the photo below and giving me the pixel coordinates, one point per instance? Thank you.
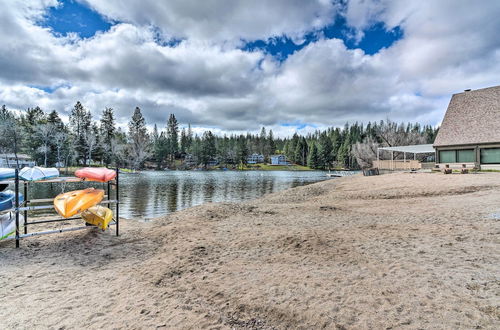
(9, 160)
(279, 160)
(255, 159)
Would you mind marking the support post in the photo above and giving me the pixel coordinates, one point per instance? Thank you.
(392, 160)
(17, 206)
(117, 202)
(378, 157)
(404, 159)
(108, 192)
(26, 201)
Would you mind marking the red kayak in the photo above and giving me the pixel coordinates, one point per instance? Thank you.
(100, 174)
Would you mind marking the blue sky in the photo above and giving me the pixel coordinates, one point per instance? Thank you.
(375, 38)
(72, 16)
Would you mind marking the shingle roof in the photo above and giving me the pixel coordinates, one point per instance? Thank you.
(472, 117)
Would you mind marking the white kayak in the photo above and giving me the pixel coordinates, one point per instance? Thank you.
(7, 173)
(8, 224)
(38, 173)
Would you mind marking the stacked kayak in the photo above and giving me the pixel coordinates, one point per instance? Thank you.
(8, 224)
(74, 202)
(99, 216)
(38, 173)
(8, 200)
(100, 174)
(7, 173)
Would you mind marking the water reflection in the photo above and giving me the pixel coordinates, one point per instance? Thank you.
(152, 194)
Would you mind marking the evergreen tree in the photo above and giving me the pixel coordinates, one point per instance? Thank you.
(263, 141)
(270, 146)
(325, 151)
(344, 152)
(184, 141)
(172, 137)
(30, 120)
(108, 130)
(208, 148)
(80, 120)
(54, 119)
(138, 139)
(313, 160)
(58, 141)
(301, 151)
(241, 150)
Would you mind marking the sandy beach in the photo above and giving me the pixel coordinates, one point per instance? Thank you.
(415, 251)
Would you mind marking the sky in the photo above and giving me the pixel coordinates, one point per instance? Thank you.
(238, 65)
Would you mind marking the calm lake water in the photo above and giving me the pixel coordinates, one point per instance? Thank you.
(153, 193)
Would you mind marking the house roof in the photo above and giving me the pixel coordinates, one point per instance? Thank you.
(19, 156)
(414, 149)
(473, 117)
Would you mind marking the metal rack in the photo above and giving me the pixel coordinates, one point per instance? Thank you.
(27, 205)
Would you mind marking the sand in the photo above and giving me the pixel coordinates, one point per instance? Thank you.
(398, 251)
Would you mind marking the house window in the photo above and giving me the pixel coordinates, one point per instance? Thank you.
(447, 156)
(466, 156)
(490, 156)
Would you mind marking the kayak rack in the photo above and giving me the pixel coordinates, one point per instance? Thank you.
(27, 205)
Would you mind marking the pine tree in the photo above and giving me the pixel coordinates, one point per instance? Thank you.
(208, 148)
(172, 137)
(138, 139)
(301, 149)
(184, 141)
(313, 160)
(325, 151)
(345, 152)
(80, 120)
(108, 130)
(30, 120)
(270, 146)
(241, 150)
(262, 141)
(54, 119)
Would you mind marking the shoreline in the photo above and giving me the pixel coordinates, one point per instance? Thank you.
(400, 250)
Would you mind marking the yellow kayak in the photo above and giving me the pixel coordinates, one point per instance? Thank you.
(98, 215)
(74, 202)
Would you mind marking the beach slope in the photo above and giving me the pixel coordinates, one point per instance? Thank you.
(394, 251)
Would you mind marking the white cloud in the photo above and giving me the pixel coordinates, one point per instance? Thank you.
(207, 81)
(222, 20)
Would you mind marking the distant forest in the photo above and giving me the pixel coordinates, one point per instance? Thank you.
(88, 141)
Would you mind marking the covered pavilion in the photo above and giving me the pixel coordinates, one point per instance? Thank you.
(405, 164)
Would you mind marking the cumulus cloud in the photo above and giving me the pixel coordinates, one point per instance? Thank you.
(206, 79)
(222, 20)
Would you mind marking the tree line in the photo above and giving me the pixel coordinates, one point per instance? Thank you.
(83, 140)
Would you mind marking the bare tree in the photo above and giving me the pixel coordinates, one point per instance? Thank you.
(391, 134)
(60, 139)
(365, 152)
(45, 133)
(91, 141)
(12, 134)
(139, 150)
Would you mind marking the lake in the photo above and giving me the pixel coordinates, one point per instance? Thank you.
(151, 194)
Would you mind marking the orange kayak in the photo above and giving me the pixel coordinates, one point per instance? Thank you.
(74, 202)
(100, 174)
